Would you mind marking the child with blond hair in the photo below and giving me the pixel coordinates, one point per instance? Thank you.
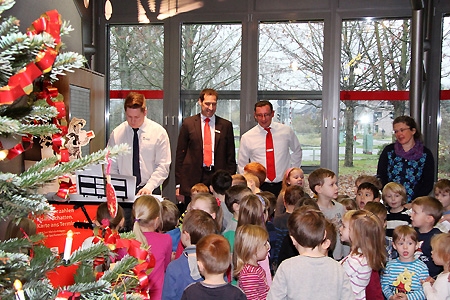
(147, 226)
(252, 182)
(394, 197)
(195, 189)
(251, 245)
(365, 232)
(207, 202)
(439, 289)
(252, 211)
(256, 169)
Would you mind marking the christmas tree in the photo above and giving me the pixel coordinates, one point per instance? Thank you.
(29, 64)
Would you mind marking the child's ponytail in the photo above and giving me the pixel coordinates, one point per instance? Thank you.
(146, 212)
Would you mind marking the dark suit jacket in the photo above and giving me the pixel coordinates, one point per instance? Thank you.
(189, 155)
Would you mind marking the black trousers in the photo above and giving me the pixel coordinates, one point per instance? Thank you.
(273, 187)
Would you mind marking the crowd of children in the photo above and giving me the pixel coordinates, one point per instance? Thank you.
(237, 242)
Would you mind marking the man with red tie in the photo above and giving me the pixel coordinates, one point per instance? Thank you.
(272, 144)
(205, 144)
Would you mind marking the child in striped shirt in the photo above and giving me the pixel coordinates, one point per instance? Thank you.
(251, 245)
(394, 197)
(402, 277)
(365, 232)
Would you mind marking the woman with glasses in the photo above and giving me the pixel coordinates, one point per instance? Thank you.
(407, 161)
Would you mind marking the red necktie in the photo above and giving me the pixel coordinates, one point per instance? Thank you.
(207, 144)
(270, 156)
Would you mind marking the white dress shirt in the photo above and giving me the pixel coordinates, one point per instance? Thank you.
(154, 152)
(288, 152)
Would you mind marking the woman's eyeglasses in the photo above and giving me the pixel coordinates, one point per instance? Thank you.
(401, 130)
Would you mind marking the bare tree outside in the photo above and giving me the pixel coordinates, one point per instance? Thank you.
(375, 57)
(136, 63)
(291, 56)
(211, 58)
(290, 67)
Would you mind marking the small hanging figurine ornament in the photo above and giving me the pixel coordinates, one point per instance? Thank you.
(77, 137)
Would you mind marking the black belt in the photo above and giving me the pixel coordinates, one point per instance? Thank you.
(272, 183)
(208, 169)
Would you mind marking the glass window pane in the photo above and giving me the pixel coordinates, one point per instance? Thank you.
(375, 57)
(305, 118)
(290, 56)
(136, 57)
(136, 63)
(444, 132)
(290, 71)
(211, 56)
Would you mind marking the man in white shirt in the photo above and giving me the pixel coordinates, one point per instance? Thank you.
(153, 144)
(285, 148)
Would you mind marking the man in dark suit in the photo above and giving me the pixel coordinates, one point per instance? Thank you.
(205, 144)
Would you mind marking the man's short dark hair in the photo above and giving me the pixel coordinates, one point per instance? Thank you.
(208, 92)
(263, 103)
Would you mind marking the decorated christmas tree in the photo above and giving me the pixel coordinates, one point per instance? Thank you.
(31, 107)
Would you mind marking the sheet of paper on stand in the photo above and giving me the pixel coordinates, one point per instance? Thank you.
(91, 186)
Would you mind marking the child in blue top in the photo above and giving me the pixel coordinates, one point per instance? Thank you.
(426, 213)
(402, 276)
(184, 270)
(442, 193)
(170, 217)
(292, 196)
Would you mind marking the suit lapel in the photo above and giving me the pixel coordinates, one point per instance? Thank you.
(217, 132)
(198, 127)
